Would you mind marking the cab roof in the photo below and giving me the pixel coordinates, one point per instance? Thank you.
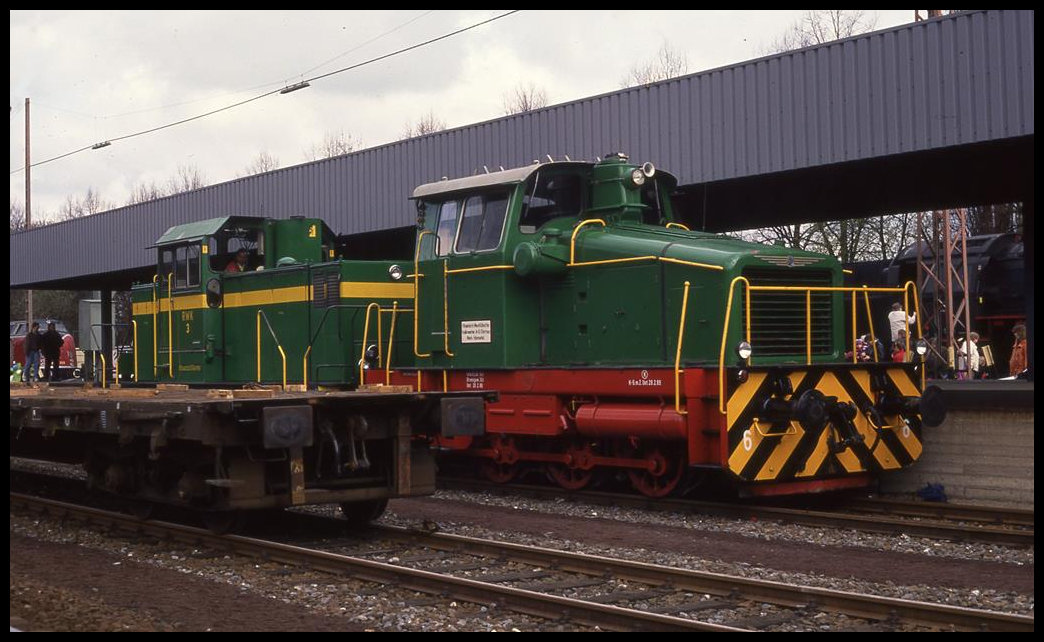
(202, 229)
(491, 179)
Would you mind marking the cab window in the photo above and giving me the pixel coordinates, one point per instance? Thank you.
(186, 265)
(447, 227)
(654, 212)
(550, 196)
(481, 223)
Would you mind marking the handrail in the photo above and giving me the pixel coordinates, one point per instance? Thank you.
(907, 288)
(116, 342)
(808, 327)
(391, 339)
(105, 366)
(416, 293)
(677, 355)
(322, 322)
(572, 239)
(170, 325)
(910, 285)
(724, 336)
(134, 327)
(366, 339)
(445, 308)
(628, 259)
(155, 340)
(873, 339)
(855, 357)
(260, 314)
(481, 268)
(673, 224)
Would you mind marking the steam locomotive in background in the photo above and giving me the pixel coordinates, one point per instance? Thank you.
(996, 283)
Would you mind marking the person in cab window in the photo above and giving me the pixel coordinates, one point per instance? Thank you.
(239, 263)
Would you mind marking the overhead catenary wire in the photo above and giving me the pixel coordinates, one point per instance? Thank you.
(269, 93)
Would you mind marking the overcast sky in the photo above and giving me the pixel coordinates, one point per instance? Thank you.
(93, 76)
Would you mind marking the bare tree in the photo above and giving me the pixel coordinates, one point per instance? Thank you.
(794, 236)
(994, 219)
(819, 26)
(263, 162)
(427, 125)
(142, 193)
(667, 63)
(524, 98)
(75, 207)
(187, 179)
(334, 144)
(17, 216)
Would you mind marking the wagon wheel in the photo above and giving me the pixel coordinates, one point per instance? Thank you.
(364, 512)
(668, 467)
(576, 474)
(221, 522)
(143, 509)
(503, 467)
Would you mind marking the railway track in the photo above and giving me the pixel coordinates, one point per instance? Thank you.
(561, 586)
(962, 523)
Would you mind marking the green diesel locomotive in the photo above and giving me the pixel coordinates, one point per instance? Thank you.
(618, 340)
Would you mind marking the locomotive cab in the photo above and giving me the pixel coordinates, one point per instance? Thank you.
(206, 272)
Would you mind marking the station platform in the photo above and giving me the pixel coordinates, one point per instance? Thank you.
(983, 451)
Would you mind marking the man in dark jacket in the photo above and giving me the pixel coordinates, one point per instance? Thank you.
(32, 354)
(51, 346)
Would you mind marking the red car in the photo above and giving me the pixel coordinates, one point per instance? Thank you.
(67, 366)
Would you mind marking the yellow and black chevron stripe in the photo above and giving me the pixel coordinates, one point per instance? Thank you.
(758, 451)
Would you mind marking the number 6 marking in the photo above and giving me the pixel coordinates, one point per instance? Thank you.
(748, 440)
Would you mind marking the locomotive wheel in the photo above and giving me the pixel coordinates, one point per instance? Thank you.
(578, 473)
(499, 473)
(362, 513)
(504, 466)
(668, 469)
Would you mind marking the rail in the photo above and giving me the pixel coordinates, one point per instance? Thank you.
(808, 290)
(260, 314)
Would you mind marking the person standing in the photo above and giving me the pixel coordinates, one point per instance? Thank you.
(51, 347)
(968, 357)
(898, 320)
(32, 354)
(1018, 351)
